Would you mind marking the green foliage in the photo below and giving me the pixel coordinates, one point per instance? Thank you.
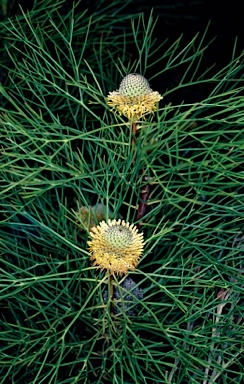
(61, 148)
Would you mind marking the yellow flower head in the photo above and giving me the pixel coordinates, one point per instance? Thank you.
(115, 246)
(134, 98)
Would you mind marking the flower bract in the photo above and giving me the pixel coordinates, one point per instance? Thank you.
(90, 216)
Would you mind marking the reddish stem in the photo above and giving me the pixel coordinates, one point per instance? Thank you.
(145, 191)
(142, 206)
(134, 131)
(111, 278)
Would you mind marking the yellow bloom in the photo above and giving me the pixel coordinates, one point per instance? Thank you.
(134, 98)
(115, 246)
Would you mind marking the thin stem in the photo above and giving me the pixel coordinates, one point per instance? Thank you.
(173, 370)
(222, 295)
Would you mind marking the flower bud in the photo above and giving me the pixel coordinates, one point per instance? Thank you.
(134, 85)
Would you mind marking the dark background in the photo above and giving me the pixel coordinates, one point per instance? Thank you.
(190, 17)
(175, 17)
(182, 16)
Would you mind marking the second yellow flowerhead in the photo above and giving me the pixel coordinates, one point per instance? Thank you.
(115, 246)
